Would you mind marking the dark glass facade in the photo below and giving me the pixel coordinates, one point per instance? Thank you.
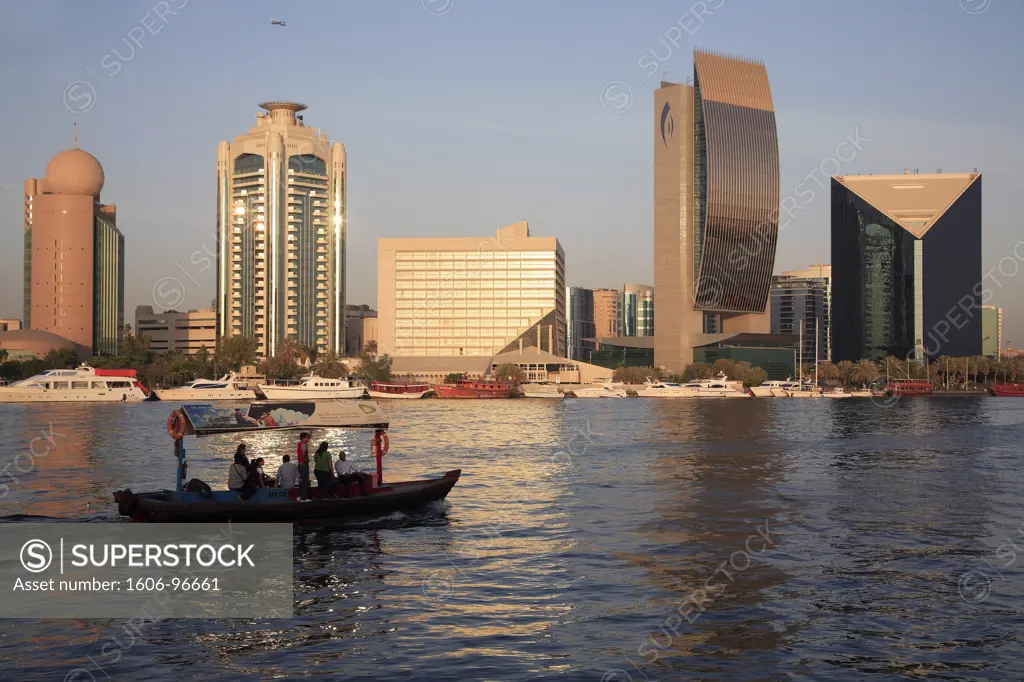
(579, 323)
(108, 287)
(736, 185)
(893, 293)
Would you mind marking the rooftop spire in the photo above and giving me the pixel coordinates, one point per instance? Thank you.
(76, 134)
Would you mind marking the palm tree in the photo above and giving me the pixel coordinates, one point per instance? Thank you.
(370, 348)
(844, 369)
(827, 371)
(287, 350)
(864, 372)
(330, 366)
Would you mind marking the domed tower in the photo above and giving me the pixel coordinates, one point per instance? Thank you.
(74, 254)
(281, 232)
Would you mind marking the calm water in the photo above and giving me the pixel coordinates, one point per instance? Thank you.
(825, 540)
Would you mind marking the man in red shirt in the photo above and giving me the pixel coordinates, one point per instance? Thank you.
(302, 453)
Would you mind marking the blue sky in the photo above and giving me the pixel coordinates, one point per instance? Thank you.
(486, 112)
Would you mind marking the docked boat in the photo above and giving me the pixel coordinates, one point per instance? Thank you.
(228, 387)
(476, 388)
(541, 390)
(313, 387)
(775, 389)
(384, 389)
(600, 391)
(84, 384)
(837, 392)
(1007, 390)
(908, 387)
(196, 502)
(720, 387)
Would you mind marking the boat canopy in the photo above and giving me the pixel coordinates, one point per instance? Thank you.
(205, 420)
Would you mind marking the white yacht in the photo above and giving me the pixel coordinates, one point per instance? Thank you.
(84, 384)
(775, 389)
(837, 392)
(600, 391)
(228, 387)
(314, 388)
(704, 388)
(541, 390)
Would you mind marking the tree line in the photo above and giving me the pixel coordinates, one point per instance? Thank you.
(174, 368)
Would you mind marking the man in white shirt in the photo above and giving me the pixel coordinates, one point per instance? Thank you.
(349, 473)
(287, 474)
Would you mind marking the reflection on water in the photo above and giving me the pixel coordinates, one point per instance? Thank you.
(615, 540)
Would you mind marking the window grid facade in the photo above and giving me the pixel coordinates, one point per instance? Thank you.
(451, 303)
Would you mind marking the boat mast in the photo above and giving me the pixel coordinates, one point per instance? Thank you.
(815, 353)
(800, 356)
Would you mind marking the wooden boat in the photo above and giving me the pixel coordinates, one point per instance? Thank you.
(908, 387)
(1007, 390)
(476, 388)
(383, 389)
(196, 502)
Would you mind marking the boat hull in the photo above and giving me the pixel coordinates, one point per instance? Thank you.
(398, 396)
(13, 395)
(303, 393)
(157, 508)
(1007, 390)
(460, 392)
(186, 395)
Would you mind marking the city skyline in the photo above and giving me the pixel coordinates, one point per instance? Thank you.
(817, 111)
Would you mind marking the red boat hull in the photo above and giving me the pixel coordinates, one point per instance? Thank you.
(1008, 390)
(909, 387)
(479, 390)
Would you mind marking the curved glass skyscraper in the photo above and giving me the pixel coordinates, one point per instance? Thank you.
(716, 205)
(281, 227)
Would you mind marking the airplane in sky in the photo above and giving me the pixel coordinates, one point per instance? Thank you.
(275, 22)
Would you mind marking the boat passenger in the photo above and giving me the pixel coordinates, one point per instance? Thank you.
(287, 473)
(322, 470)
(349, 473)
(256, 475)
(303, 460)
(238, 474)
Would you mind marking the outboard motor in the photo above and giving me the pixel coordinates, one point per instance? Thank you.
(197, 486)
(125, 502)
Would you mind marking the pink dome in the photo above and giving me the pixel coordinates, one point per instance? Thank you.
(74, 171)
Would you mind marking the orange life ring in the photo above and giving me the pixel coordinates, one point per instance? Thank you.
(176, 425)
(382, 442)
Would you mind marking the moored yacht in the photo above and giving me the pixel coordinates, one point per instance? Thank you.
(600, 391)
(719, 387)
(314, 388)
(84, 384)
(228, 387)
(386, 389)
(541, 390)
(775, 389)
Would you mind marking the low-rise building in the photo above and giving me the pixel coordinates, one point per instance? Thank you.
(170, 330)
(9, 325)
(360, 328)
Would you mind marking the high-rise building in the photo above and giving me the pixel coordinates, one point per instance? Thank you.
(184, 332)
(360, 327)
(281, 231)
(637, 308)
(906, 264)
(74, 255)
(579, 324)
(471, 296)
(802, 298)
(716, 202)
(992, 331)
(606, 312)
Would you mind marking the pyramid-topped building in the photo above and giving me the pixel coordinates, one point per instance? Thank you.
(906, 266)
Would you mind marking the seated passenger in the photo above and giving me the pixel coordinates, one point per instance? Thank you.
(349, 473)
(238, 474)
(287, 473)
(256, 475)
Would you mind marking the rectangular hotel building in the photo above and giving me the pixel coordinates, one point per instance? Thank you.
(471, 296)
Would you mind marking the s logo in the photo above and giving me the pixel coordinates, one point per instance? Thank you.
(667, 124)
